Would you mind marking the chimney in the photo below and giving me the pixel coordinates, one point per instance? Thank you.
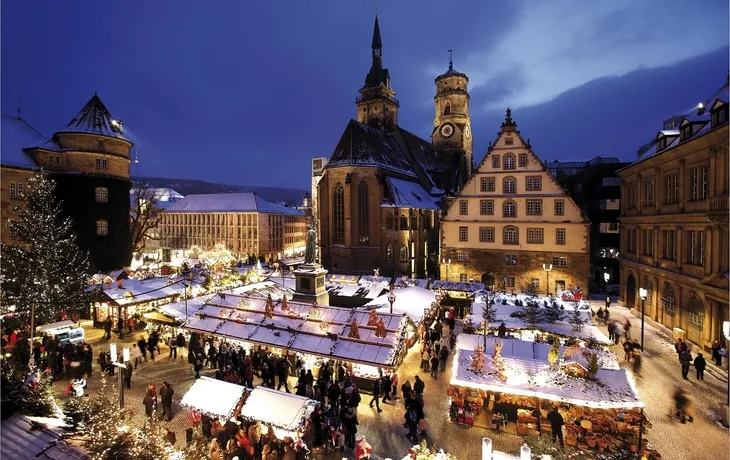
(120, 284)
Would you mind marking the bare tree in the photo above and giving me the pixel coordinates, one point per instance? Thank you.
(143, 217)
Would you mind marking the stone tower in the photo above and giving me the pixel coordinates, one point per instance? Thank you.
(377, 106)
(452, 125)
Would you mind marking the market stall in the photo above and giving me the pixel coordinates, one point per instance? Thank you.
(365, 342)
(420, 305)
(285, 412)
(458, 295)
(214, 398)
(511, 385)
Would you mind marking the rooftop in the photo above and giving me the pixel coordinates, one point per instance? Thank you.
(230, 202)
(94, 118)
(18, 135)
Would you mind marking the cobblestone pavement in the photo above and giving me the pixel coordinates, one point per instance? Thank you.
(660, 374)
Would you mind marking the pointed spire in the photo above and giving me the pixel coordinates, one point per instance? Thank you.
(94, 118)
(377, 42)
(451, 60)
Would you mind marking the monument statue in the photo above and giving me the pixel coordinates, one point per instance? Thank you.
(310, 253)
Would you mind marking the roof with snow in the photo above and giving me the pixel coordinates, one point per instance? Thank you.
(38, 438)
(94, 118)
(227, 397)
(410, 301)
(399, 152)
(230, 202)
(407, 194)
(291, 410)
(16, 136)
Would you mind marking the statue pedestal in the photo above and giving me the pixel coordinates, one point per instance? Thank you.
(310, 287)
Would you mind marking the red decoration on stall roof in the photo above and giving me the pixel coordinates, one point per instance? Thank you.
(373, 318)
(354, 330)
(284, 306)
(269, 309)
(380, 331)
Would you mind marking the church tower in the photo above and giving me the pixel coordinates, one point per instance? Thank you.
(452, 125)
(377, 106)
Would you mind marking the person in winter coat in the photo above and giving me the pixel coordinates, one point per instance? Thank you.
(556, 425)
(150, 403)
(685, 358)
(354, 398)
(283, 370)
(333, 396)
(502, 330)
(680, 346)
(443, 356)
(349, 421)
(684, 405)
(198, 365)
(637, 361)
(406, 390)
(716, 346)
(128, 374)
(172, 343)
(434, 365)
(376, 395)
(394, 384)
(414, 413)
(387, 385)
(700, 364)
(166, 393)
(425, 358)
(418, 387)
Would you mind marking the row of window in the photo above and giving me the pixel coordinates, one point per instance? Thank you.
(509, 208)
(693, 311)
(511, 235)
(244, 220)
(54, 159)
(694, 239)
(509, 184)
(511, 259)
(698, 189)
(402, 253)
(392, 224)
(509, 161)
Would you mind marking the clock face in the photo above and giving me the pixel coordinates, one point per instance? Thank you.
(447, 130)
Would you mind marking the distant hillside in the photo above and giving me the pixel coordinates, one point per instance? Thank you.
(290, 196)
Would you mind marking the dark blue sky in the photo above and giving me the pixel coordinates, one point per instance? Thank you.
(248, 92)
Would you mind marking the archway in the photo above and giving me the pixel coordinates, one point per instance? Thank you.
(630, 291)
(488, 281)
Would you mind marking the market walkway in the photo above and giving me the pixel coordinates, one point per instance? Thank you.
(660, 374)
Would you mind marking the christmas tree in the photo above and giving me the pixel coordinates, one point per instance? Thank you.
(489, 314)
(381, 331)
(31, 394)
(284, 306)
(46, 271)
(269, 308)
(554, 353)
(477, 362)
(354, 330)
(553, 312)
(592, 366)
(373, 318)
(102, 427)
(498, 362)
(531, 312)
(577, 321)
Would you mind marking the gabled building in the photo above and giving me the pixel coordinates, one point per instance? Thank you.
(379, 197)
(674, 223)
(89, 161)
(511, 218)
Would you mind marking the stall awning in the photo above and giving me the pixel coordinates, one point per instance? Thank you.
(215, 398)
(278, 409)
(157, 317)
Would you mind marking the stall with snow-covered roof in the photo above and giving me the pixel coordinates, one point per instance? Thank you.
(355, 290)
(552, 316)
(364, 343)
(420, 305)
(511, 385)
(214, 398)
(286, 413)
(457, 295)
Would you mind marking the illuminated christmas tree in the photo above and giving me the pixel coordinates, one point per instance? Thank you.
(381, 331)
(498, 362)
(269, 309)
(554, 353)
(354, 330)
(284, 306)
(477, 362)
(46, 269)
(103, 426)
(373, 318)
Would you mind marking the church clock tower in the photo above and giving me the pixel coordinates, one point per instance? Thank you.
(452, 125)
(377, 106)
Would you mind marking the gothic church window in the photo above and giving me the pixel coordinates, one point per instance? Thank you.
(403, 222)
(363, 214)
(389, 252)
(338, 213)
(404, 253)
(390, 222)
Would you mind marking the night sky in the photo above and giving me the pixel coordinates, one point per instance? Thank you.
(245, 92)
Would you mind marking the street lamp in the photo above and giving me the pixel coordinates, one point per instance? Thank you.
(642, 293)
(547, 268)
(447, 262)
(606, 277)
(391, 299)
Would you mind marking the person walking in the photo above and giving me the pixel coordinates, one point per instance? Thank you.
(443, 356)
(142, 344)
(419, 386)
(282, 368)
(679, 346)
(349, 421)
(425, 357)
(181, 341)
(166, 393)
(136, 355)
(172, 343)
(556, 425)
(150, 403)
(376, 395)
(198, 365)
(108, 328)
(128, 374)
(716, 357)
(700, 364)
(386, 385)
(434, 365)
(637, 361)
(406, 390)
(685, 358)
(394, 384)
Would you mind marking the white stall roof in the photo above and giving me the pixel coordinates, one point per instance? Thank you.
(213, 397)
(410, 301)
(276, 408)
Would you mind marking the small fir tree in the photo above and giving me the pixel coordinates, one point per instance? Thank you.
(553, 313)
(498, 361)
(101, 426)
(373, 318)
(477, 362)
(468, 326)
(354, 330)
(284, 305)
(489, 314)
(554, 353)
(381, 331)
(531, 312)
(46, 269)
(30, 394)
(577, 321)
(269, 307)
(592, 366)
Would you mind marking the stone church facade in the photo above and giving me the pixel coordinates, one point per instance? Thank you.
(380, 195)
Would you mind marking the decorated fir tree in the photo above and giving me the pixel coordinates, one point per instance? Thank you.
(577, 321)
(498, 362)
(269, 308)
(354, 330)
(381, 331)
(284, 305)
(468, 326)
(554, 353)
(592, 366)
(477, 361)
(103, 426)
(531, 312)
(30, 394)
(150, 443)
(373, 318)
(45, 271)
(489, 314)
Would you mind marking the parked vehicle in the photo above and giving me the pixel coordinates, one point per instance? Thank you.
(66, 331)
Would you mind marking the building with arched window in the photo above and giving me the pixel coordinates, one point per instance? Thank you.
(512, 217)
(380, 195)
(674, 223)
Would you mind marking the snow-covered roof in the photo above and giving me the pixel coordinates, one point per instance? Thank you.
(16, 136)
(230, 202)
(135, 291)
(438, 285)
(37, 438)
(411, 301)
(213, 397)
(406, 194)
(405, 282)
(318, 330)
(353, 290)
(529, 374)
(291, 410)
(370, 280)
(180, 311)
(562, 327)
(94, 118)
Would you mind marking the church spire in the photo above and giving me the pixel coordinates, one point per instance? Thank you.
(377, 42)
(377, 105)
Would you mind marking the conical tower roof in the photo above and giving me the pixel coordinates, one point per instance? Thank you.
(94, 118)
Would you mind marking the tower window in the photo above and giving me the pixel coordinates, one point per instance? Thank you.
(447, 108)
(100, 143)
(102, 227)
(338, 212)
(101, 163)
(102, 195)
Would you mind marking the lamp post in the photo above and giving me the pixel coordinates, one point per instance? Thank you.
(642, 293)
(447, 262)
(391, 299)
(547, 268)
(606, 277)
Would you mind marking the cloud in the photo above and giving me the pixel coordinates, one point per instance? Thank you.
(557, 46)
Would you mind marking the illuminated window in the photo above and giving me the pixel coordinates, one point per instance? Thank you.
(102, 195)
(338, 213)
(560, 236)
(102, 227)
